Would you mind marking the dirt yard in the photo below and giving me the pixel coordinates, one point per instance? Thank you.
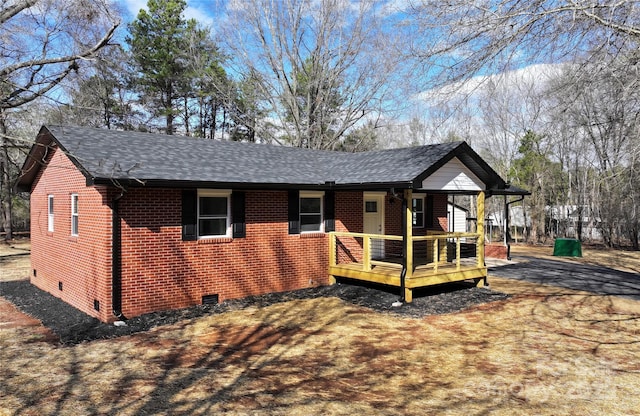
(545, 351)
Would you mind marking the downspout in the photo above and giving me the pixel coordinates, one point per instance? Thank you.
(116, 258)
(507, 236)
(403, 273)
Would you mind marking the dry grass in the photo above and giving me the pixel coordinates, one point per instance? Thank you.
(545, 351)
(14, 260)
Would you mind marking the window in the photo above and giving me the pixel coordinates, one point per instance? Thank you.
(50, 213)
(417, 206)
(311, 212)
(74, 214)
(214, 214)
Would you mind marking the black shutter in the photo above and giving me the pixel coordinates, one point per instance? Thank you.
(189, 215)
(237, 214)
(294, 212)
(428, 215)
(329, 211)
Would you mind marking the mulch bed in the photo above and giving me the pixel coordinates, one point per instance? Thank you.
(73, 326)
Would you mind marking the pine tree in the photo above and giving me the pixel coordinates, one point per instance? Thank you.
(159, 43)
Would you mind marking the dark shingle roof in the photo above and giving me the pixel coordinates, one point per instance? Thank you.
(162, 160)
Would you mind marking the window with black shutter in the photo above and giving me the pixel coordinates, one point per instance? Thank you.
(207, 213)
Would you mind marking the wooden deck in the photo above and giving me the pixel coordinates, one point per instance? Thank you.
(420, 273)
(422, 276)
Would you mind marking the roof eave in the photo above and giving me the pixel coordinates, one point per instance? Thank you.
(35, 161)
(181, 184)
(511, 190)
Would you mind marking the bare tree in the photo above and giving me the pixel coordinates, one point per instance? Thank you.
(602, 112)
(458, 39)
(587, 120)
(320, 66)
(41, 43)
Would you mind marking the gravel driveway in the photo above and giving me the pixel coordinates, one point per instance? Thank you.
(572, 275)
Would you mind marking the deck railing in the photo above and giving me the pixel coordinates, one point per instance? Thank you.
(366, 259)
(358, 248)
(439, 244)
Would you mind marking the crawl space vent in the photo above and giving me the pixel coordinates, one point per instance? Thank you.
(210, 299)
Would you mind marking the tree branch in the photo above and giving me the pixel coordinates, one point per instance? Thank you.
(11, 11)
(48, 61)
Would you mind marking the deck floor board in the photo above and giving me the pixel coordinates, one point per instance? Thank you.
(423, 275)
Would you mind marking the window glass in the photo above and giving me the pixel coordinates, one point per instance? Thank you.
(74, 214)
(418, 211)
(50, 213)
(371, 206)
(213, 214)
(213, 206)
(310, 214)
(212, 227)
(310, 205)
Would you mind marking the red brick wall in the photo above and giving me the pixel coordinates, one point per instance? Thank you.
(349, 219)
(160, 271)
(495, 250)
(83, 263)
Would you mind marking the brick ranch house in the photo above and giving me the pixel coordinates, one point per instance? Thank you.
(126, 223)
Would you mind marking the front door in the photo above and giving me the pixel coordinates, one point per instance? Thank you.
(373, 221)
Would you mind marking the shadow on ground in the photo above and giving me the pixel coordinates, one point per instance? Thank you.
(74, 326)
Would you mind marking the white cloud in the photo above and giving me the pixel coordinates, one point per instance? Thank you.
(538, 74)
(200, 13)
(134, 6)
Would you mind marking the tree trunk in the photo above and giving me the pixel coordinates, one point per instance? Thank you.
(6, 192)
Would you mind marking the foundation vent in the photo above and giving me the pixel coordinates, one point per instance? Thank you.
(59, 285)
(210, 299)
(96, 305)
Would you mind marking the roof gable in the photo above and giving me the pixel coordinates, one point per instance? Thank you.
(453, 176)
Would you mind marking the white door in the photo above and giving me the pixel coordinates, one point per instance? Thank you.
(373, 221)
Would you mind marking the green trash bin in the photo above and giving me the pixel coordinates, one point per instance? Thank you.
(567, 247)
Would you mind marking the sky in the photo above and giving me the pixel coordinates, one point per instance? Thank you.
(200, 10)
(209, 14)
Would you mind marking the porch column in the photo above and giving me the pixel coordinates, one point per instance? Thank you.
(408, 241)
(480, 230)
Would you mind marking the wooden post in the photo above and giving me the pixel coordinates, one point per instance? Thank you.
(408, 295)
(442, 251)
(436, 257)
(366, 253)
(332, 255)
(480, 231)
